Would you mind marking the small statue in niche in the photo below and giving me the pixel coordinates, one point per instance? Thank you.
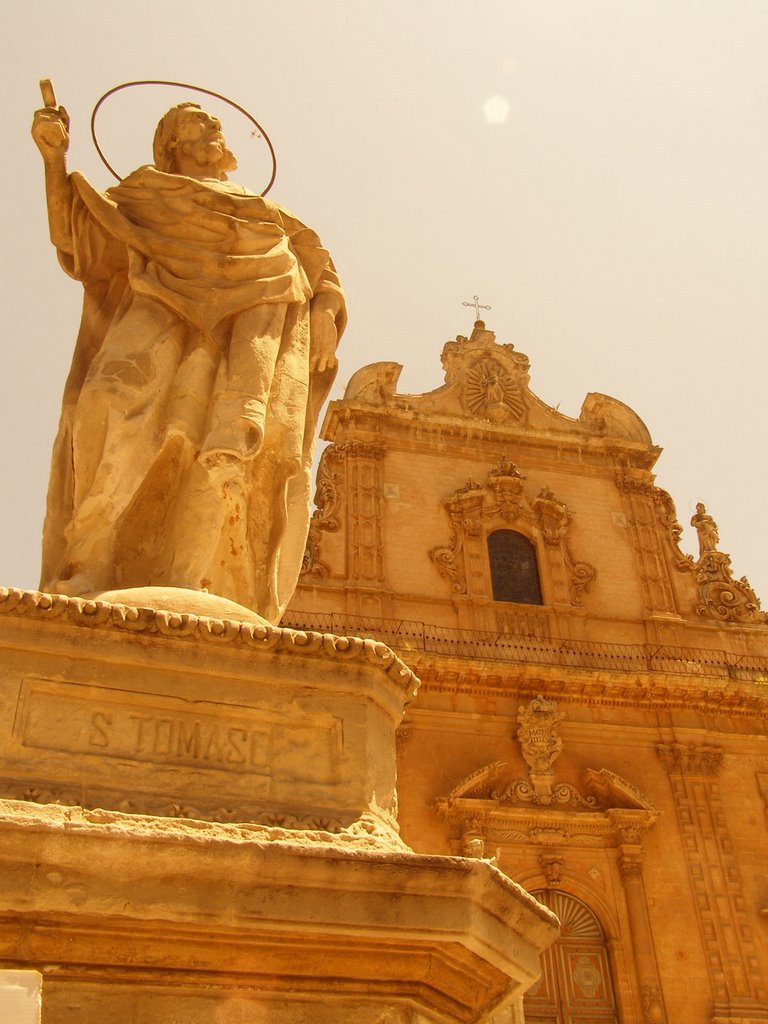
(706, 528)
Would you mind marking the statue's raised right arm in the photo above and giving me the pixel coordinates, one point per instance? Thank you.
(50, 130)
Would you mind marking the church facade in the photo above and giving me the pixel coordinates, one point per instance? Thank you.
(593, 708)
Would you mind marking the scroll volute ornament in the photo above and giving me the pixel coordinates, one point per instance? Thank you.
(325, 517)
(465, 507)
(552, 515)
(720, 595)
(465, 510)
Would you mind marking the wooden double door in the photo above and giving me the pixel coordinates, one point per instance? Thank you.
(576, 985)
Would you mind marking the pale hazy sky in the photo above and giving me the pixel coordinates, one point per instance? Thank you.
(596, 170)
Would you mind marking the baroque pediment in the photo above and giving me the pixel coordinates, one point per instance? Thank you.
(487, 382)
(492, 805)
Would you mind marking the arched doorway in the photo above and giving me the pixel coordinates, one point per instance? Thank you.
(576, 985)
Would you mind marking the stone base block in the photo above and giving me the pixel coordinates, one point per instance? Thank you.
(170, 713)
(136, 919)
(199, 825)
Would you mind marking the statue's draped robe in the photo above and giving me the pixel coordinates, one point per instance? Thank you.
(184, 450)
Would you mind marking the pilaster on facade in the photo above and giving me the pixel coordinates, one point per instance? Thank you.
(631, 871)
(348, 502)
(654, 531)
(739, 991)
(762, 782)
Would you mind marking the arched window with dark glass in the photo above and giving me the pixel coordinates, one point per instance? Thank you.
(514, 572)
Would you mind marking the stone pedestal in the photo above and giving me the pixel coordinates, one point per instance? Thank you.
(198, 823)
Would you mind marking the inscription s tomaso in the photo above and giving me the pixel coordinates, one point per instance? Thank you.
(151, 736)
(100, 722)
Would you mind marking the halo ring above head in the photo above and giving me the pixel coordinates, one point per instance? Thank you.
(194, 88)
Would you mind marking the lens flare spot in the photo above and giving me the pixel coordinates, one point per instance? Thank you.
(496, 109)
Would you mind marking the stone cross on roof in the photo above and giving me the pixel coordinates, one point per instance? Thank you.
(476, 304)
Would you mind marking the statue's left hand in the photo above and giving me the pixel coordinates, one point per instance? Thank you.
(323, 337)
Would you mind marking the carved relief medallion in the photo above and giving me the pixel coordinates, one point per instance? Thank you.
(539, 740)
(491, 393)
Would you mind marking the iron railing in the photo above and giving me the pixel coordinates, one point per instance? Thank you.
(405, 635)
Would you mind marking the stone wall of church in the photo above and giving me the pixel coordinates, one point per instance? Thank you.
(603, 737)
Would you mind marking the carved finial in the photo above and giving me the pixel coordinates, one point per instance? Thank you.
(706, 528)
(506, 467)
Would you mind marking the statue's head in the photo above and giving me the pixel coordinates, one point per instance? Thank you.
(189, 140)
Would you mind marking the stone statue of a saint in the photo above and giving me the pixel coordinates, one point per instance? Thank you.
(706, 528)
(206, 348)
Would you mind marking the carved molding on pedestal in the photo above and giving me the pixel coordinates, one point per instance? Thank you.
(114, 709)
(103, 615)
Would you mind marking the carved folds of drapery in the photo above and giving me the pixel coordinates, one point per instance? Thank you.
(475, 510)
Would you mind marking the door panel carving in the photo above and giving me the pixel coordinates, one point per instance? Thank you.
(576, 985)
